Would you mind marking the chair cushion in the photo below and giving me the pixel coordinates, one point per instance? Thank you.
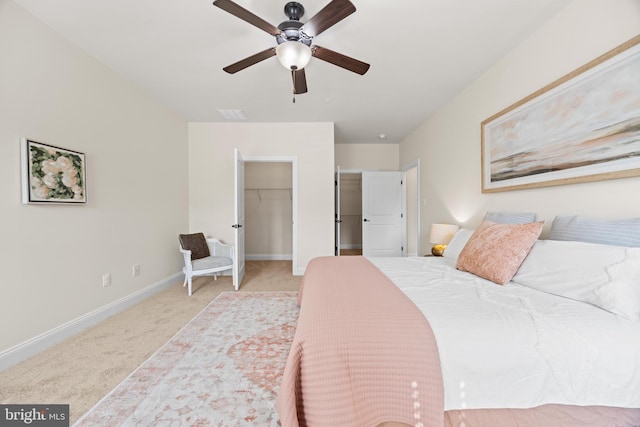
(196, 243)
(211, 262)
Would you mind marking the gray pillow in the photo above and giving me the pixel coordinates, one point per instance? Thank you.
(510, 217)
(620, 232)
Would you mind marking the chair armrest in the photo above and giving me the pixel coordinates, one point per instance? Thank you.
(187, 256)
(217, 248)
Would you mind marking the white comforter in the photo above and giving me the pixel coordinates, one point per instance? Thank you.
(515, 347)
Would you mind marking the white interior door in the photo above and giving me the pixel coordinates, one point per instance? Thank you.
(238, 259)
(338, 217)
(382, 214)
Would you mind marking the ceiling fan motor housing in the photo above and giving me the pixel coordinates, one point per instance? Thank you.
(291, 28)
(291, 32)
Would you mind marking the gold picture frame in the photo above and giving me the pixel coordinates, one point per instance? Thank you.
(583, 127)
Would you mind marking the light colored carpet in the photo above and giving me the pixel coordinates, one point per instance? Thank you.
(222, 369)
(84, 368)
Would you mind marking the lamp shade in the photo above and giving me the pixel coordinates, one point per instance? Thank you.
(441, 234)
(293, 55)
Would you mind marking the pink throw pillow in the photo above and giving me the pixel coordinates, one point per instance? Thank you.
(495, 251)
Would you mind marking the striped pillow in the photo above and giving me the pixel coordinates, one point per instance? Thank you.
(621, 232)
(510, 217)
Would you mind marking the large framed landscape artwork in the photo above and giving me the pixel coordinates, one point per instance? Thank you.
(52, 174)
(582, 127)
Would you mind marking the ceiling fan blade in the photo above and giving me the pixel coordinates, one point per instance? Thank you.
(245, 15)
(330, 15)
(253, 59)
(339, 59)
(299, 82)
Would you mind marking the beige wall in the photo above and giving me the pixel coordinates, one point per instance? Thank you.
(53, 257)
(448, 143)
(211, 177)
(367, 156)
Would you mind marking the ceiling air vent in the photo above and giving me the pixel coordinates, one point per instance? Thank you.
(231, 114)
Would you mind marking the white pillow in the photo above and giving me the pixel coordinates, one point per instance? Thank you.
(602, 275)
(460, 239)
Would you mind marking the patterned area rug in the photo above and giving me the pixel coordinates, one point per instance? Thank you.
(222, 369)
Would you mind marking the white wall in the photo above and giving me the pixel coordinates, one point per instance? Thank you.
(211, 175)
(448, 143)
(367, 156)
(53, 257)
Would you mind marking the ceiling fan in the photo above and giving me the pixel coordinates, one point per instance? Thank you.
(294, 39)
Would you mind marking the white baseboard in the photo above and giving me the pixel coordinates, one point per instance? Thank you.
(268, 257)
(35, 345)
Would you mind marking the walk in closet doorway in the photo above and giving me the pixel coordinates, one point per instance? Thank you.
(350, 202)
(270, 232)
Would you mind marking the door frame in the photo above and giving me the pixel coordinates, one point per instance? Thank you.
(336, 208)
(294, 199)
(337, 227)
(415, 164)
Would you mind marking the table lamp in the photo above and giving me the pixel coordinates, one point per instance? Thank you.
(440, 236)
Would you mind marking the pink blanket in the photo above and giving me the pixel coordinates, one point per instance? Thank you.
(363, 353)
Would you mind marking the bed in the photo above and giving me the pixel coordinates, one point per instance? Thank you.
(433, 341)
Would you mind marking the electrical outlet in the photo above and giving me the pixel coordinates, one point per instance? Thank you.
(136, 270)
(106, 279)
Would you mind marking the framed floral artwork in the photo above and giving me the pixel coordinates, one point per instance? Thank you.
(52, 174)
(583, 127)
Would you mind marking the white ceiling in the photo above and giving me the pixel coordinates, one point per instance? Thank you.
(422, 54)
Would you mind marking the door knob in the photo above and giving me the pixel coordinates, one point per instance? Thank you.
(365, 220)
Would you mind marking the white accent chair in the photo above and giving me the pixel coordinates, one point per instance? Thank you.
(204, 257)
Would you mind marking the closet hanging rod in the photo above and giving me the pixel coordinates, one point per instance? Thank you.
(274, 189)
(258, 190)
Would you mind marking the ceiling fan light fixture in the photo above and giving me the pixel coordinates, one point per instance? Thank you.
(293, 55)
